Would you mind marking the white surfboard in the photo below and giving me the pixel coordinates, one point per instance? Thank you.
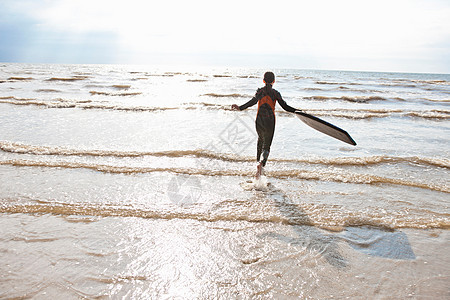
(325, 127)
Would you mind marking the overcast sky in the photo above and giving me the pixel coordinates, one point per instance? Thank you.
(382, 35)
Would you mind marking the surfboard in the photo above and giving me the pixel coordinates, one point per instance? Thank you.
(325, 127)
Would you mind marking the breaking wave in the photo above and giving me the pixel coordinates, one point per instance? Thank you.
(433, 114)
(293, 214)
(81, 104)
(437, 100)
(196, 80)
(55, 103)
(20, 78)
(336, 83)
(248, 76)
(115, 94)
(19, 148)
(343, 177)
(121, 86)
(341, 88)
(68, 79)
(15, 98)
(48, 91)
(419, 81)
(156, 75)
(226, 95)
(355, 99)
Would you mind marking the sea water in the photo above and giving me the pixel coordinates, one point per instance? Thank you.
(138, 182)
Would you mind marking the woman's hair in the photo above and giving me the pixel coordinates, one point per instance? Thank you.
(269, 77)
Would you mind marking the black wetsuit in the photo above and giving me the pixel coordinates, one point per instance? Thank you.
(266, 98)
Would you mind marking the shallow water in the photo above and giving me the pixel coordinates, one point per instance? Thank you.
(138, 182)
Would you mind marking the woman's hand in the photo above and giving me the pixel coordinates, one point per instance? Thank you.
(235, 107)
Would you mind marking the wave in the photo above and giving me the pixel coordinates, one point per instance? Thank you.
(433, 114)
(355, 114)
(342, 177)
(226, 95)
(196, 80)
(158, 75)
(355, 99)
(386, 82)
(419, 81)
(436, 100)
(20, 78)
(81, 104)
(302, 77)
(281, 213)
(177, 73)
(439, 82)
(83, 73)
(68, 79)
(55, 103)
(126, 108)
(121, 86)
(222, 76)
(336, 83)
(115, 94)
(90, 86)
(47, 91)
(19, 148)
(15, 98)
(200, 105)
(327, 82)
(398, 85)
(248, 76)
(341, 88)
(314, 89)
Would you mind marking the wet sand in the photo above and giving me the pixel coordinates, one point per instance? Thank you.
(67, 257)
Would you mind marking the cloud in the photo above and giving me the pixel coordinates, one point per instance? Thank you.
(406, 35)
(26, 37)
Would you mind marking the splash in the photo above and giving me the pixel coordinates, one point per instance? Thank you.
(257, 184)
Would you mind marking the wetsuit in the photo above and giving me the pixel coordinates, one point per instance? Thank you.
(266, 98)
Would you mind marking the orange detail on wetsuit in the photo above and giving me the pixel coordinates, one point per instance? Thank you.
(268, 100)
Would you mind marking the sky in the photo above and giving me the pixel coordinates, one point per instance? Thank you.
(382, 35)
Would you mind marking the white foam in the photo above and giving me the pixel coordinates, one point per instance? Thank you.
(261, 183)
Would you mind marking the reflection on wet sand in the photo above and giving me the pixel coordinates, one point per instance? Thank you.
(307, 237)
(369, 240)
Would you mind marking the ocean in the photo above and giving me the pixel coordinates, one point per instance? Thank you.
(137, 182)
